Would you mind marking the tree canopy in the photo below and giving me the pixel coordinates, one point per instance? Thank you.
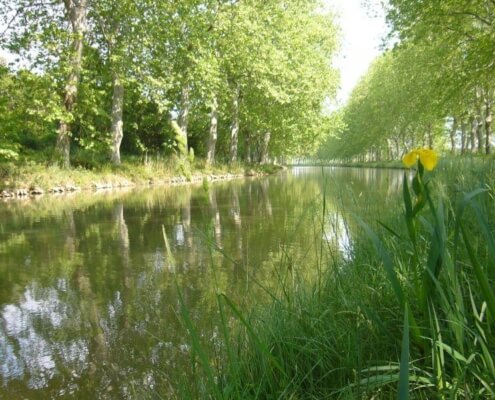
(433, 87)
(243, 79)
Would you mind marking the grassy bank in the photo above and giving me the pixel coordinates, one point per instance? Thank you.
(397, 164)
(28, 175)
(409, 315)
(393, 164)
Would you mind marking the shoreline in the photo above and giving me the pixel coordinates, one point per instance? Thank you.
(28, 188)
(373, 165)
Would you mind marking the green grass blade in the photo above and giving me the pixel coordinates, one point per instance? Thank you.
(460, 210)
(229, 346)
(261, 347)
(407, 198)
(403, 393)
(486, 289)
(485, 230)
(389, 229)
(393, 278)
(198, 347)
(387, 261)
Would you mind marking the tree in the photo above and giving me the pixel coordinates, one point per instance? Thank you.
(458, 25)
(119, 27)
(37, 30)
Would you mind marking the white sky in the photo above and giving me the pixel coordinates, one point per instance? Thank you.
(6, 56)
(362, 36)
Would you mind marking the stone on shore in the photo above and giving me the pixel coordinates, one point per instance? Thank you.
(6, 194)
(36, 191)
(22, 192)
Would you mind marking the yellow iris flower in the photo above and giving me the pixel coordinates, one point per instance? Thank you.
(427, 157)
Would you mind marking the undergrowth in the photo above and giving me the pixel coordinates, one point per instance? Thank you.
(409, 315)
(130, 172)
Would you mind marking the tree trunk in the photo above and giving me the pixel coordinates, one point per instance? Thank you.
(264, 147)
(488, 125)
(472, 133)
(234, 133)
(185, 105)
(452, 135)
(212, 139)
(76, 11)
(479, 134)
(249, 150)
(463, 137)
(117, 122)
(429, 135)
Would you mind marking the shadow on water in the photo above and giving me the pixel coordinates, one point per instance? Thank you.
(88, 300)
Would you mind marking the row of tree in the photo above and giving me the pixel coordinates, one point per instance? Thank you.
(239, 78)
(434, 88)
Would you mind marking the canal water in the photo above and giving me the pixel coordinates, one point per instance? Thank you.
(91, 292)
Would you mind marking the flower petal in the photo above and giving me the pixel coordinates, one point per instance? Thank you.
(410, 158)
(429, 159)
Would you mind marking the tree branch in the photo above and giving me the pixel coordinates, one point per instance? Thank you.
(470, 14)
(20, 11)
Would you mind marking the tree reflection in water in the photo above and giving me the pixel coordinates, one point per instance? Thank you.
(88, 301)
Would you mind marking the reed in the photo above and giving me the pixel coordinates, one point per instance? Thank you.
(409, 315)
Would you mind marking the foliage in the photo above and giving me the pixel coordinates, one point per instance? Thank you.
(176, 59)
(26, 107)
(433, 86)
(410, 314)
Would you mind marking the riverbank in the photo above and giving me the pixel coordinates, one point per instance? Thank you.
(32, 179)
(409, 314)
(397, 164)
(394, 164)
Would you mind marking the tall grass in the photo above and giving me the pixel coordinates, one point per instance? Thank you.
(131, 172)
(410, 315)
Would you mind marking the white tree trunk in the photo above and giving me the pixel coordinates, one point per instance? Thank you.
(185, 105)
(180, 126)
(234, 133)
(463, 137)
(117, 132)
(264, 147)
(249, 150)
(212, 138)
(472, 133)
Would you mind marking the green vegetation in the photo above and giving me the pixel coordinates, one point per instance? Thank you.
(129, 173)
(209, 87)
(222, 80)
(409, 315)
(433, 87)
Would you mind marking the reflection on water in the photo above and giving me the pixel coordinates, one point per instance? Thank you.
(88, 293)
(337, 234)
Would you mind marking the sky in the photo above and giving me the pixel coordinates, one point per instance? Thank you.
(6, 56)
(361, 38)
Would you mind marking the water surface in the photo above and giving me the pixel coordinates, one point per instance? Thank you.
(89, 304)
